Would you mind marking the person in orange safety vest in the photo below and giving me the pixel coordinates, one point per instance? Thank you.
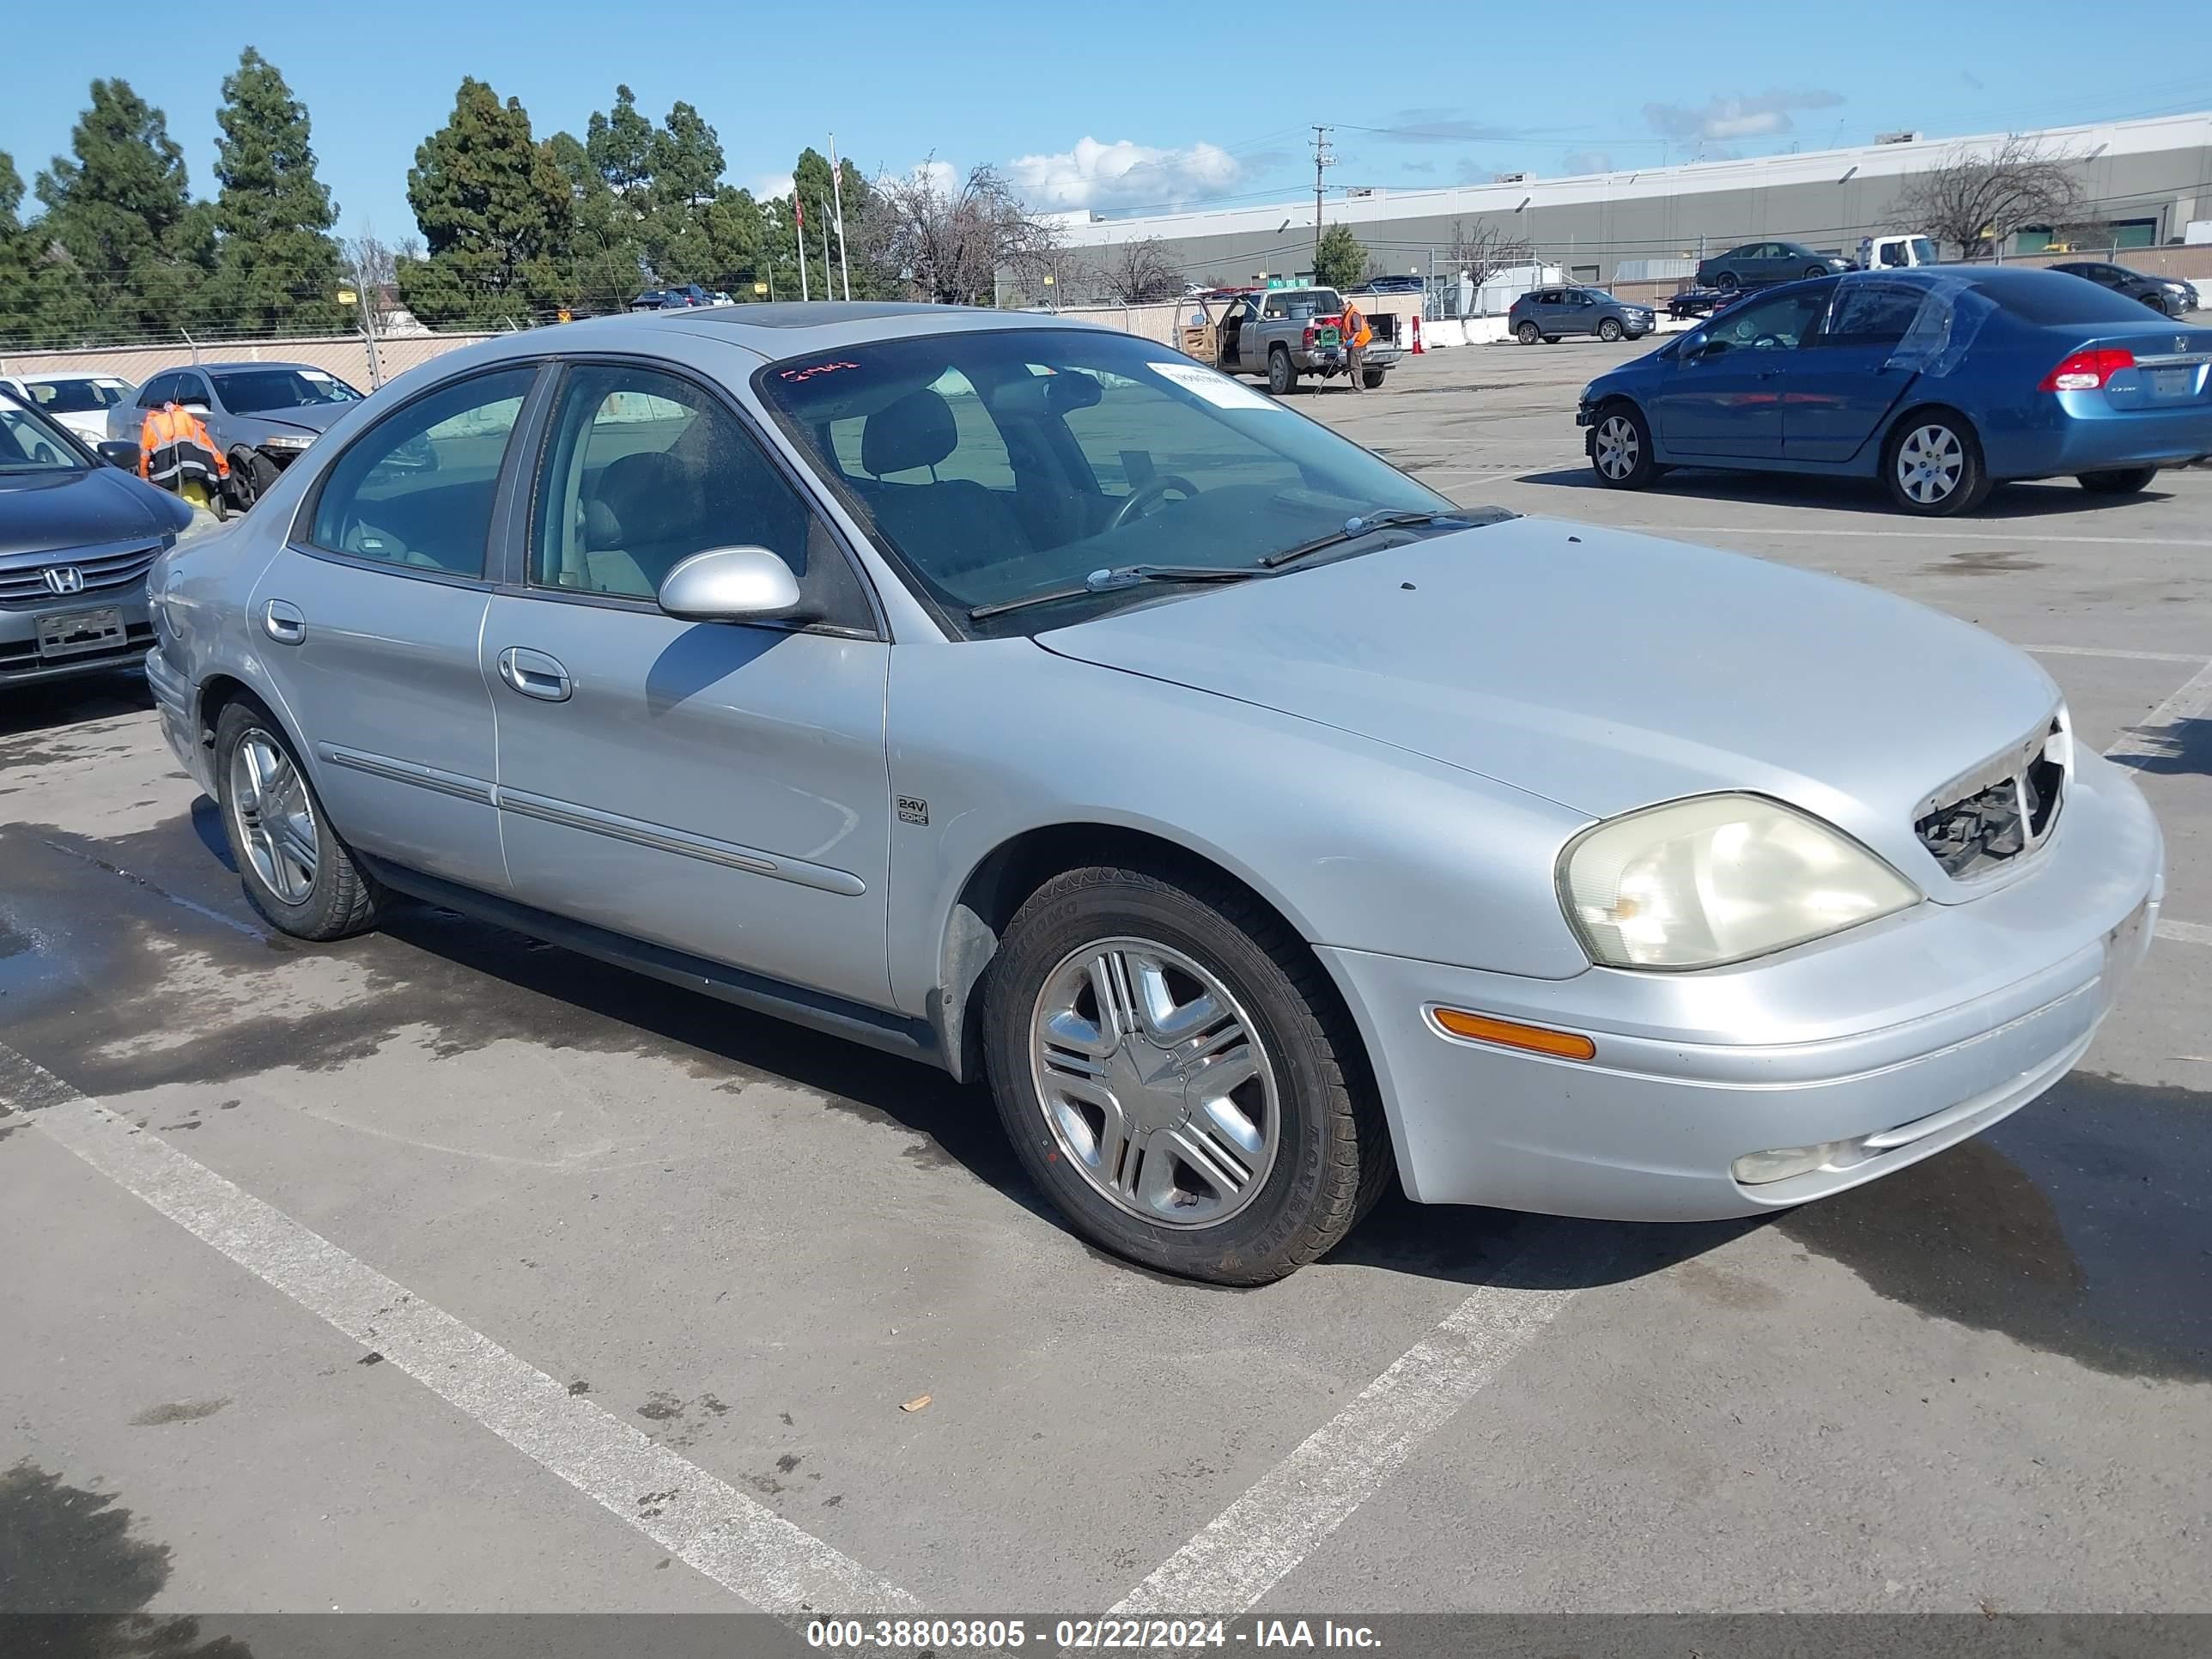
(174, 445)
(1356, 334)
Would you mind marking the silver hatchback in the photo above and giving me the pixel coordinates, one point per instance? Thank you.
(1258, 825)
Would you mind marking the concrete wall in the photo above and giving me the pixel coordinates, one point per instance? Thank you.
(343, 356)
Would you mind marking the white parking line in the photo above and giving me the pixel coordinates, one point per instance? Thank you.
(740, 1544)
(2184, 933)
(1236, 1558)
(2112, 651)
(2153, 738)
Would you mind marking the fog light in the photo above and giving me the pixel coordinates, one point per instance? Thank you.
(1762, 1169)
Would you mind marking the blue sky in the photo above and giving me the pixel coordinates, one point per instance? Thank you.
(1130, 106)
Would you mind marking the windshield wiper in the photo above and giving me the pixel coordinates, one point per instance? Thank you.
(1127, 575)
(1365, 523)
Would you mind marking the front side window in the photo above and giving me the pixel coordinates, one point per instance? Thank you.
(1117, 452)
(643, 469)
(415, 490)
(28, 444)
(264, 390)
(1778, 323)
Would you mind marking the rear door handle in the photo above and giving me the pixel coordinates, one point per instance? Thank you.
(283, 622)
(534, 674)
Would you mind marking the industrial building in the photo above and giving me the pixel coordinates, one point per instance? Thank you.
(2146, 181)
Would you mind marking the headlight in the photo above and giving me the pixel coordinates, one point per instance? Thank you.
(1718, 878)
(286, 441)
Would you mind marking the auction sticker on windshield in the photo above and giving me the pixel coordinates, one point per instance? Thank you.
(1216, 389)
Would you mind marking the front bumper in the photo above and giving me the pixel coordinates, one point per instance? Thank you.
(174, 700)
(21, 664)
(1924, 1028)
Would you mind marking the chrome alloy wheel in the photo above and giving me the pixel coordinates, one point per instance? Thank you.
(1154, 1084)
(1929, 463)
(276, 820)
(1618, 448)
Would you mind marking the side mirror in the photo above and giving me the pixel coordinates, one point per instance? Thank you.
(119, 452)
(731, 584)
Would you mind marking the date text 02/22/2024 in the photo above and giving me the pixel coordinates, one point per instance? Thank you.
(1082, 1635)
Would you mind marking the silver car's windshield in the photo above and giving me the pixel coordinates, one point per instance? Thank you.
(257, 391)
(999, 463)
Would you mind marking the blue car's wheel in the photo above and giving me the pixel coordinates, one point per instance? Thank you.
(1932, 464)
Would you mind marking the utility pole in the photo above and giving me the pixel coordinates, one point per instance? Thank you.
(1323, 158)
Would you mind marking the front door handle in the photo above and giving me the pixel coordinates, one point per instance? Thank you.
(283, 622)
(535, 674)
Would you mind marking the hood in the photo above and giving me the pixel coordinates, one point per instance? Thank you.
(51, 512)
(311, 419)
(1606, 671)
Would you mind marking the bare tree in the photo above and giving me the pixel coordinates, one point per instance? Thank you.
(372, 265)
(1976, 202)
(1141, 270)
(1485, 250)
(949, 240)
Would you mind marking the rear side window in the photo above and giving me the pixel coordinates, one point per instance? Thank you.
(1871, 313)
(2063, 299)
(415, 490)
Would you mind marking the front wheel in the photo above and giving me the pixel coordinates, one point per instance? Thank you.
(294, 869)
(2122, 481)
(1933, 466)
(1608, 330)
(1528, 333)
(1281, 377)
(1620, 448)
(1815, 270)
(1727, 282)
(1174, 1071)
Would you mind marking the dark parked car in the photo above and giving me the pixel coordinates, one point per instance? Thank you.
(1757, 264)
(2167, 296)
(76, 539)
(1941, 382)
(673, 299)
(1547, 314)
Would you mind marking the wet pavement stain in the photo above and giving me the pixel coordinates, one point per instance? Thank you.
(70, 1551)
(179, 1410)
(1984, 563)
(659, 1407)
(2080, 1226)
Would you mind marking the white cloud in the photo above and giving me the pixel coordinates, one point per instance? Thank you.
(1123, 175)
(767, 186)
(1586, 160)
(1760, 115)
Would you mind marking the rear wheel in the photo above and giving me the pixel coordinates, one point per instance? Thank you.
(1281, 377)
(294, 869)
(1932, 464)
(1176, 1072)
(2122, 481)
(1371, 379)
(1620, 448)
(1608, 330)
(1528, 333)
(1726, 281)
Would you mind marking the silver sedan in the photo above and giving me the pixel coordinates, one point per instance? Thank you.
(1258, 826)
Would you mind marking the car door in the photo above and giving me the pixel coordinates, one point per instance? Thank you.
(1581, 316)
(1842, 383)
(1236, 331)
(718, 788)
(370, 617)
(1721, 397)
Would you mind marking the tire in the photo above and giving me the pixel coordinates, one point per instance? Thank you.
(255, 473)
(1528, 333)
(337, 898)
(1941, 446)
(1727, 282)
(1306, 1133)
(1551, 339)
(1282, 379)
(1608, 330)
(1621, 441)
(1371, 379)
(2121, 481)
(1812, 271)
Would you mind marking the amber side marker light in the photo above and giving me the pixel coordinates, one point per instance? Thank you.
(1510, 1034)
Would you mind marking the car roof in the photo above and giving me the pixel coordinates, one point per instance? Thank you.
(231, 368)
(43, 375)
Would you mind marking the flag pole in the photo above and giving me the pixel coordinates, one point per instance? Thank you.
(798, 218)
(837, 194)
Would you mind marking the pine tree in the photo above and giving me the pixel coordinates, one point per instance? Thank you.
(495, 215)
(277, 266)
(605, 251)
(120, 209)
(621, 146)
(1340, 261)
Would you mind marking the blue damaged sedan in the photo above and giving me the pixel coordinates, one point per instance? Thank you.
(1942, 383)
(1254, 825)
